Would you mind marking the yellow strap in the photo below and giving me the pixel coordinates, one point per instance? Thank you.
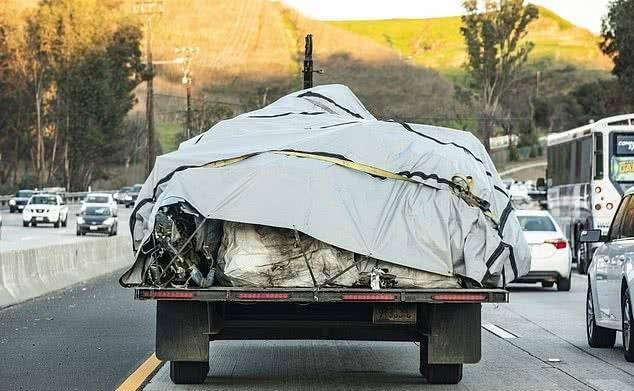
(348, 164)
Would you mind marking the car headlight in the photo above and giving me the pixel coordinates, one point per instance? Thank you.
(12, 202)
(109, 221)
(80, 220)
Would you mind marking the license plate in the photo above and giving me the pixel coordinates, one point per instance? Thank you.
(39, 219)
(93, 228)
(394, 313)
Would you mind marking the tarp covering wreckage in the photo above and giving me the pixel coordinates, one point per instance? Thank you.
(317, 165)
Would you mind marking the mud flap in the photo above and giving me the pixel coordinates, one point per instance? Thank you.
(453, 332)
(181, 331)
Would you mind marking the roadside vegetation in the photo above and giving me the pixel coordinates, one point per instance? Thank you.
(250, 54)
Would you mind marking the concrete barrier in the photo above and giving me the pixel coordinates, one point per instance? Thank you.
(26, 274)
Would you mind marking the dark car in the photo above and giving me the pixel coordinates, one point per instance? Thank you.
(17, 203)
(130, 198)
(97, 219)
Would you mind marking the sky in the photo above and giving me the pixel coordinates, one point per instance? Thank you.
(585, 13)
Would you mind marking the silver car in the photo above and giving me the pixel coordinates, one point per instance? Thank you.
(611, 281)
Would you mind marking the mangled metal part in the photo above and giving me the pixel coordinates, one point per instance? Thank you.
(181, 257)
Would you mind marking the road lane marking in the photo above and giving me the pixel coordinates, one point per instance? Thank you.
(500, 332)
(141, 374)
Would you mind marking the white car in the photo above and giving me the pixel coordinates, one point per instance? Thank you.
(611, 281)
(519, 192)
(551, 258)
(100, 200)
(45, 209)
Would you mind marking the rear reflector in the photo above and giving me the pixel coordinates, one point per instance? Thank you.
(262, 296)
(461, 297)
(369, 297)
(558, 243)
(167, 294)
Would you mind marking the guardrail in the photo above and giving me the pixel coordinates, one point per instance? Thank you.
(73, 197)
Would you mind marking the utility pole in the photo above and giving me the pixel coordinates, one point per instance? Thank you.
(187, 56)
(149, 9)
(308, 62)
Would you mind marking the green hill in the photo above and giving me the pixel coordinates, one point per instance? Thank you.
(438, 44)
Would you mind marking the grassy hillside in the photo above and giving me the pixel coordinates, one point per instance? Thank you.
(437, 42)
(251, 51)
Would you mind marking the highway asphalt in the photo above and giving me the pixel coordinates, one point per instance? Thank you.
(16, 237)
(87, 337)
(93, 336)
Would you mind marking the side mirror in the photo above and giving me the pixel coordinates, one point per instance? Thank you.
(541, 183)
(590, 236)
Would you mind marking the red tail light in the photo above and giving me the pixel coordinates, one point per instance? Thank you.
(460, 297)
(167, 295)
(558, 243)
(262, 296)
(369, 297)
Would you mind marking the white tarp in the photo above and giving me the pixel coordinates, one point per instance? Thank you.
(287, 172)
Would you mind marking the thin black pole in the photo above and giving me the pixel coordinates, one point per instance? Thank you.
(308, 62)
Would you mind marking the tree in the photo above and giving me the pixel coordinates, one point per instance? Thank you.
(617, 31)
(16, 113)
(90, 59)
(496, 51)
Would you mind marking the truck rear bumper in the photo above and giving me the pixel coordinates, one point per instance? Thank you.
(325, 295)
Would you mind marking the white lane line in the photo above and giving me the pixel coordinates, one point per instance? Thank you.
(26, 238)
(500, 332)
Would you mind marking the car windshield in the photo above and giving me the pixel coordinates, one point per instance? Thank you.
(97, 211)
(125, 190)
(93, 199)
(536, 223)
(136, 188)
(24, 194)
(43, 200)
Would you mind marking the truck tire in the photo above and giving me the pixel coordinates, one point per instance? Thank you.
(442, 373)
(438, 373)
(188, 372)
(598, 337)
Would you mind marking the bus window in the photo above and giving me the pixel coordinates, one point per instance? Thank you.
(598, 156)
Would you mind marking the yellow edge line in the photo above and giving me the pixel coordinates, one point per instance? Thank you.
(136, 379)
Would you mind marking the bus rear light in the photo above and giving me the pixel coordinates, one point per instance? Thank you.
(167, 295)
(609, 206)
(597, 207)
(263, 296)
(558, 243)
(597, 189)
(460, 297)
(368, 297)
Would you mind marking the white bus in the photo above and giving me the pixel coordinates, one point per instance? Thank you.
(589, 168)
